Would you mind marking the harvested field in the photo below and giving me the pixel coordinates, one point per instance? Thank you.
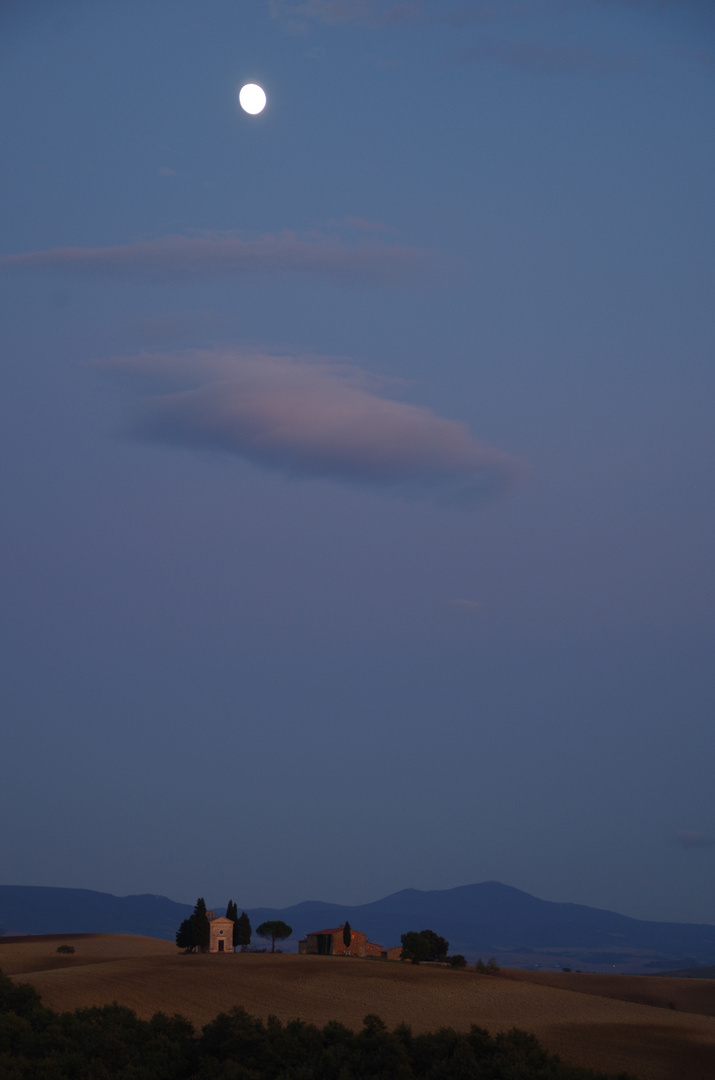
(583, 1026)
(664, 992)
(20, 956)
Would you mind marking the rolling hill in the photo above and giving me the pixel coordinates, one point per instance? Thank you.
(483, 919)
(656, 1029)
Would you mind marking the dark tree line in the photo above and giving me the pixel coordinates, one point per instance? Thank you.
(111, 1043)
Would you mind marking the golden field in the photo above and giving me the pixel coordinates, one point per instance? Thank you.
(659, 1029)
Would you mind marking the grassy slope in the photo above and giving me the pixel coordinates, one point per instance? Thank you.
(572, 1019)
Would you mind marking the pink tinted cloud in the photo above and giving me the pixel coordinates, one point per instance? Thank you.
(228, 253)
(363, 225)
(472, 607)
(694, 839)
(314, 417)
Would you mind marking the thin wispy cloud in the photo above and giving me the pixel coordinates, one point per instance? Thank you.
(331, 12)
(407, 13)
(542, 59)
(308, 416)
(686, 839)
(299, 14)
(547, 57)
(363, 225)
(212, 253)
(463, 603)
(703, 56)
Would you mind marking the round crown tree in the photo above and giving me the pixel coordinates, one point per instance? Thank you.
(276, 930)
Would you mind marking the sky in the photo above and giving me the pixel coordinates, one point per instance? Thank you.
(358, 457)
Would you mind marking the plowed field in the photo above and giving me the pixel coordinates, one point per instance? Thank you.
(606, 1026)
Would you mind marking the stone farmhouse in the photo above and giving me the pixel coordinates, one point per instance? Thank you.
(330, 943)
(221, 939)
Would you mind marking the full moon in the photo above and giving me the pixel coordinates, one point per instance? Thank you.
(252, 98)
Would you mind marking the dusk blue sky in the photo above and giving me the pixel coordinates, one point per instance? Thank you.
(358, 458)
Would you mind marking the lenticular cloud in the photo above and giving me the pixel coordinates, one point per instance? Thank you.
(313, 417)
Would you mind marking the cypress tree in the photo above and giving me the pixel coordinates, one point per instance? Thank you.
(202, 927)
(242, 931)
(347, 935)
(185, 937)
(232, 913)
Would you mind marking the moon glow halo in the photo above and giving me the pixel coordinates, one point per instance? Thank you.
(252, 98)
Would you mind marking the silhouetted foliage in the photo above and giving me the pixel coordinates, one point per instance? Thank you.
(65, 949)
(202, 926)
(21, 999)
(195, 932)
(490, 968)
(415, 947)
(276, 930)
(242, 931)
(111, 1042)
(185, 937)
(347, 935)
(438, 946)
(425, 945)
(457, 961)
(232, 913)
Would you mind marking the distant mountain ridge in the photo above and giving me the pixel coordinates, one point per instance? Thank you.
(483, 919)
(42, 910)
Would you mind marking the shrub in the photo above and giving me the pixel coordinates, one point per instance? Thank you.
(457, 961)
(65, 948)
